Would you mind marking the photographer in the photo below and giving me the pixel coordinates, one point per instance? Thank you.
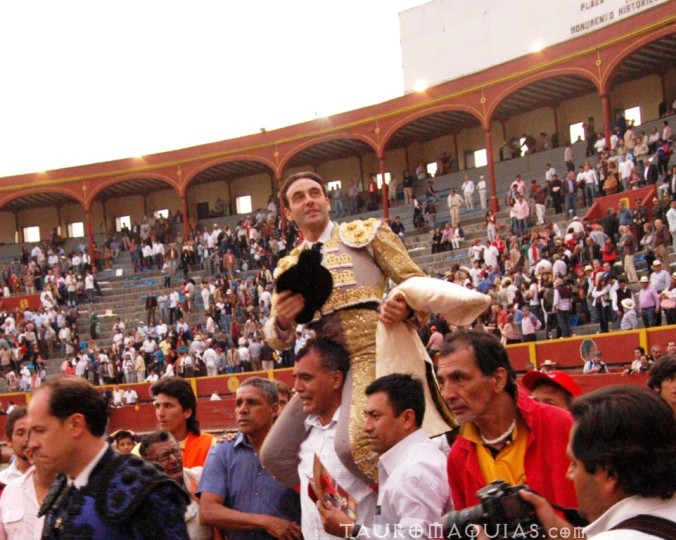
(504, 434)
(622, 450)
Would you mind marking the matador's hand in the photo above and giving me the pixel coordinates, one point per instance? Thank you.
(288, 306)
(394, 310)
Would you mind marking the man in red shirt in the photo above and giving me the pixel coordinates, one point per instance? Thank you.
(435, 342)
(504, 434)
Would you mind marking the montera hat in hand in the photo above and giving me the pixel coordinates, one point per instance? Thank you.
(309, 279)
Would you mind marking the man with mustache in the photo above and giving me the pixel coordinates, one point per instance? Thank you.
(504, 434)
(237, 495)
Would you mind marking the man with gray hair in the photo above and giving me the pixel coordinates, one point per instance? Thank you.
(237, 495)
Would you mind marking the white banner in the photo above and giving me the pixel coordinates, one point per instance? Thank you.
(446, 39)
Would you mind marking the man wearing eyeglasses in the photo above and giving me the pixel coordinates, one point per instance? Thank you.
(161, 447)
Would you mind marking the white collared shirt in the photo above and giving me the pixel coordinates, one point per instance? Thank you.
(81, 479)
(413, 490)
(321, 440)
(19, 509)
(11, 472)
(625, 509)
(323, 238)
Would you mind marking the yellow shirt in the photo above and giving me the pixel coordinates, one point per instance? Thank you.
(508, 465)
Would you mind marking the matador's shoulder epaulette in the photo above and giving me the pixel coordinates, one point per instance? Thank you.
(359, 233)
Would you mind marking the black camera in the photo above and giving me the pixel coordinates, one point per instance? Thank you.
(502, 512)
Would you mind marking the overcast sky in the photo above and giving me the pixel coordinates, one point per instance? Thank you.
(84, 82)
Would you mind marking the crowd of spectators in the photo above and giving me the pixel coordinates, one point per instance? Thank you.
(541, 277)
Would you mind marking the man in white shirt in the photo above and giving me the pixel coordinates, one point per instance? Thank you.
(559, 268)
(147, 251)
(620, 495)
(20, 503)
(549, 172)
(319, 373)
(413, 492)
(671, 218)
(158, 254)
(591, 182)
(626, 168)
(244, 356)
(468, 192)
(174, 299)
(481, 187)
(130, 396)
(210, 359)
(16, 429)
(491, 255)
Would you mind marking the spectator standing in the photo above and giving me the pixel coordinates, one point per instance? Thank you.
(392, 191)
(373, 195)
(629, 318)
(569, 158)
(337, 198)
(408, 180)
(454, 202)
(589, 136)
(602, 302)
(435, 342)
(626, 170)
(540, 198)
(151, 308)
(563, 303)
(354, 198)
(468, 192)
(659, 278)
(522, 212)
(481, 188)
(570, 193)
(661, 241)
(555, 192)
(530, 324)
(649, 303)
(628, 253)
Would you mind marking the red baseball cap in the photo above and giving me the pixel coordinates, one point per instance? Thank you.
(559, 378)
